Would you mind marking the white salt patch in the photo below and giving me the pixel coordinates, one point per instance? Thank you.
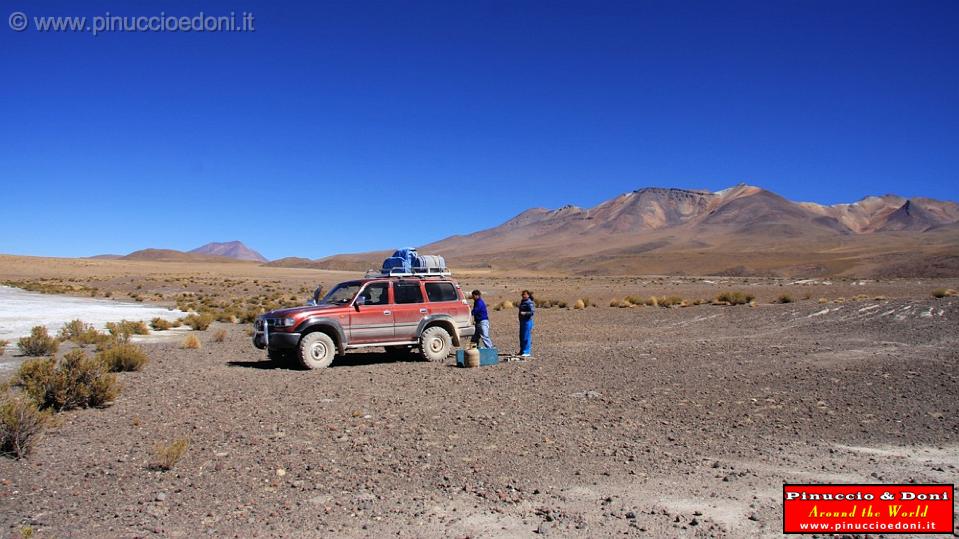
(21, 310)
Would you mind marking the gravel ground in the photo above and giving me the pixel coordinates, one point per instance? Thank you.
(639, 422)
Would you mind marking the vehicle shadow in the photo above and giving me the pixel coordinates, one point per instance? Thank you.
(353, 359)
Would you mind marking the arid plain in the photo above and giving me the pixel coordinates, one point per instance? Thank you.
(631, 419)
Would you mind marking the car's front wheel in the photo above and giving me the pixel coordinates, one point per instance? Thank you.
(317, 350)
(436, 344)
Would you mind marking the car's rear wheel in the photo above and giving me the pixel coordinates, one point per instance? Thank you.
(317, 350)
(435, 344)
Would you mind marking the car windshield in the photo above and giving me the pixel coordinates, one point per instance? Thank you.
(341, 293)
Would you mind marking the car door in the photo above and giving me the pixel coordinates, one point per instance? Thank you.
(372, 317)
(408, 308)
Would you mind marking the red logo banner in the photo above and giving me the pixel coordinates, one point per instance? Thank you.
(901, 508)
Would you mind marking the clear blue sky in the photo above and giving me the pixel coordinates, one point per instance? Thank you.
(349, 126)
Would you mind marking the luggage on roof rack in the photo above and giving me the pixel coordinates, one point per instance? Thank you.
(409, 262)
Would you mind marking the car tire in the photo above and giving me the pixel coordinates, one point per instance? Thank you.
(317, 350)
(435, 344)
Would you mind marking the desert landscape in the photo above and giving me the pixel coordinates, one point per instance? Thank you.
(739, 222)
(676, 417)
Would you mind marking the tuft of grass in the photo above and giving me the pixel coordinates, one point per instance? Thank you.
(127, 328)
(219, 335)
(123, 357)
(77, 381)
(39, 343)
(507, 304)
(940, 293)
(198, 322)
(192, 342)
(21, 424)
(580, 304)
(166, 455)
(79, 332)
(734, 298)
(784, 298)
(3, 346)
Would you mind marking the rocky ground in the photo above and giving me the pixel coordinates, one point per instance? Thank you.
(637, 421)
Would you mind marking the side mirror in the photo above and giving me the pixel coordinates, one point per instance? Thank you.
(360, 300)
(317, 295)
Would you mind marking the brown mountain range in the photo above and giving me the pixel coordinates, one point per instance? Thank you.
(233, 251)
(229, 249)
(743, 230)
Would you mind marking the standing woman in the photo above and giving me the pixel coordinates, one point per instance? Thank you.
(526, 310)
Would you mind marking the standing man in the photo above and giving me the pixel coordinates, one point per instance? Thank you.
(481, 321)
(527, 307)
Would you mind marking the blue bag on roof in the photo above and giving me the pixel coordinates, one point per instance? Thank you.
(409, 261)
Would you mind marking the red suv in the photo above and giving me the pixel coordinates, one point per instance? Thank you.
(398, 313)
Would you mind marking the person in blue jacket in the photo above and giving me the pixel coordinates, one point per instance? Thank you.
(480, 321)
(527, 308)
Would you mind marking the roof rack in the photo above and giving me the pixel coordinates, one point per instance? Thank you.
(415, 272)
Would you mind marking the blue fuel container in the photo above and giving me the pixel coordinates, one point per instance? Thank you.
(488, 356)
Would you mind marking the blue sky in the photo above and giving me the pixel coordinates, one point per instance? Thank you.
(350, 126)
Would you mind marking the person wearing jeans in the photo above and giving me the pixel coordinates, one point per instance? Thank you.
(480, 321)
(527, 308)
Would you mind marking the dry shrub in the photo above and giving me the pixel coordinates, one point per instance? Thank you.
(671, 301)
(39, 343)
(78, 381)
(165, 456)
(219, 335)
(192, 342)
(633, 300)
(21, 424)
(823, 300)
(507, 304)
(123, 357)
(127, 328)
(549, 303)
(784, 298)
(162, 324)
(3, 346)
(580, 304)
(79, 332)
(198, 322)
(734, 298)
(940, 293)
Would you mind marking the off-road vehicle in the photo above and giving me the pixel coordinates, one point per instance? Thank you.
(400, 310)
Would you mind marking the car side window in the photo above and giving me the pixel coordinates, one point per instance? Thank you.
(376, 293)
(441, 291)
(405, 292)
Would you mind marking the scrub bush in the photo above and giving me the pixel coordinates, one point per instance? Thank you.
(39, 343)
(198, 322)
(21, 424)
(78, 381)
(127, 328)
(80, 333)
(123, 357)
(735, 298)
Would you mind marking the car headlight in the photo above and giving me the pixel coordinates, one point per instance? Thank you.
(285, 322)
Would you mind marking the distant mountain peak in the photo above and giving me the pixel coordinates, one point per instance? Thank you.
(230, 249)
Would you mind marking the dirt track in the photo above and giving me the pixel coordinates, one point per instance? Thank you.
(646, 421)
